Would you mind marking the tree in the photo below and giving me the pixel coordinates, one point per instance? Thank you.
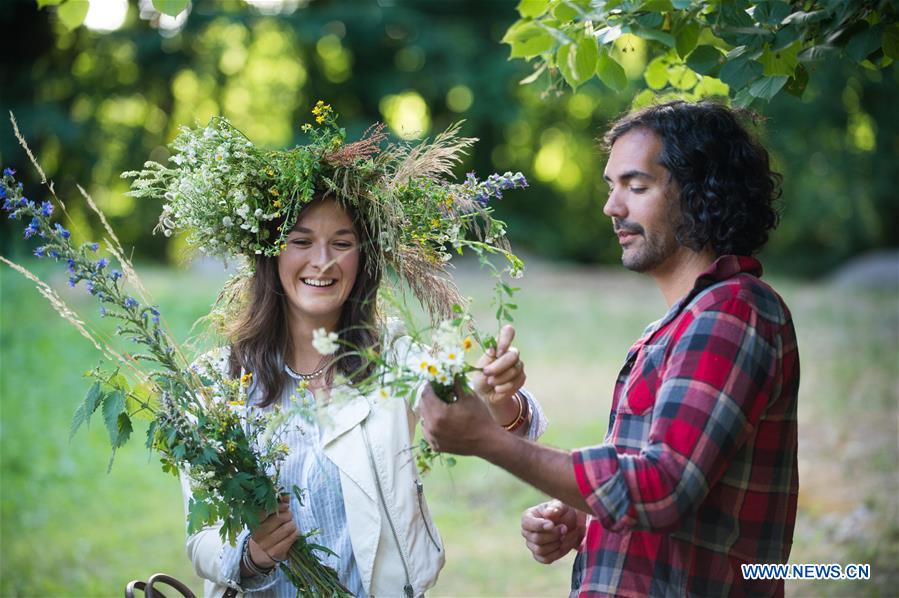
(749, 50)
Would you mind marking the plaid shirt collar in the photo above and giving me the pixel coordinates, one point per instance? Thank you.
(723, 268)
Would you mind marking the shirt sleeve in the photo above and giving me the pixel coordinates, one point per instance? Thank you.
(715, 386)
(538, 423)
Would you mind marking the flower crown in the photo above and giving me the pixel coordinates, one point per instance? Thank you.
(235, 199)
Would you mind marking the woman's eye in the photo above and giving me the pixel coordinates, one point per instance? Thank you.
(343, 245)
(638, 190)
(300, 242)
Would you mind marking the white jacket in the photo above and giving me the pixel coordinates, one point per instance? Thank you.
(395, 543)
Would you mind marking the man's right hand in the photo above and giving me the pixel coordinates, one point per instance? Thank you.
(551, 530)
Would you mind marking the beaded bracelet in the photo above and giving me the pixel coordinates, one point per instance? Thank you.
(247, 560)
(523, 414)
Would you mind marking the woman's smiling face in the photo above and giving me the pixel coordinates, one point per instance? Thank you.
(318, 267)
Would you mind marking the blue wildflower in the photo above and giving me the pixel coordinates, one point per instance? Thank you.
(130, 303)
(73, 281)
(9, 172)
(93, 246)
(32, 228)
(90, 287)
(102, 263)
(47, 208)
(155, 313)
(9, 205)
(115, 275)
(54, 254)
(40, 251)
(3, 192)
(62, 231)
(70, 265)
(103, 312)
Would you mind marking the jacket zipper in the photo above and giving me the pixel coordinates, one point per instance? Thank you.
(408, 587)
(420, 487)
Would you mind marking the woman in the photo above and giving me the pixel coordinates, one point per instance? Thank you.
(354, 462)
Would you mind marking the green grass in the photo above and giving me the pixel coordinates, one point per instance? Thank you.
(67, 528)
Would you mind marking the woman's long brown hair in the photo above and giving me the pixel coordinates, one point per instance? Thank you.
(260, 338)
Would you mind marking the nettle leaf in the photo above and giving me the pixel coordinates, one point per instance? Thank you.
(737, 73)
(783, 62)
(113, 406)
(72, 13)
(170, 7)
(124, 430)
(865, 42)
(686, 38)
(610, 72)
(528, 40)
(767, 87)
(529, 9)
(83, 414)
(704, 59)
(585, 59)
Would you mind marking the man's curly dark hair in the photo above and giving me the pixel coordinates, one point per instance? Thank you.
(727, 187)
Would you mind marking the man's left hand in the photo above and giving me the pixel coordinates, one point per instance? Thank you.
(461, 427)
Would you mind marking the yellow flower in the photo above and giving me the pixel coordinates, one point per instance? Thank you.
(467, 343)
(274, 191)
(435, 223)
(237, 403)
(432, 369)
(320, 119)
(270, 172)
(283, 246)
(277, 203)
(246, 379)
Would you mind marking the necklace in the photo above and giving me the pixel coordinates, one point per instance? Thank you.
(306, 377)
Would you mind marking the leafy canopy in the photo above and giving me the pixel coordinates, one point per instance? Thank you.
(749, 50)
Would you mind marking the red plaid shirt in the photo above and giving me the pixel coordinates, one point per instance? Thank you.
(698, 472)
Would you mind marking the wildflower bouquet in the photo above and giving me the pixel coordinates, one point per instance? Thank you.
(194, 411)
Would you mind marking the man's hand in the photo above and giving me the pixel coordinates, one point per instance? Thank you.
(462, 427)
(551, 530)
(503, 371)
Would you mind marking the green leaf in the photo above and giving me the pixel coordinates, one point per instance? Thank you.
(784, 37)
(124, 429)
(564, 63)
(687, 38)
(798, 82)
(170, 7)
(530, 9)
(737, 73)
(113, 405)
(585, 59)
(643, 99)
(659, 36)
(680, 76)
(650, 19)
(42, 3)
(704, 59)
(72, 13)
(564, 12)
(528, 40)
(770, 12)
(891, 42)
(780, 63)
(86, 409)
(656, 73)
(610, 72)
(767, 87)
(865, 42)
(743, 99)
(710, 87)
(607, 35)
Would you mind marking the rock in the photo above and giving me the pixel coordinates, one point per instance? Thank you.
(875, 271)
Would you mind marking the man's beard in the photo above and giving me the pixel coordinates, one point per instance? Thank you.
(655, 248)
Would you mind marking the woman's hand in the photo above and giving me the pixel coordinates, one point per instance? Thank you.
(270, 541)
(502, 372)
(551, 530)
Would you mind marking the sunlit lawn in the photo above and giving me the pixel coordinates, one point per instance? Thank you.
(70, 529)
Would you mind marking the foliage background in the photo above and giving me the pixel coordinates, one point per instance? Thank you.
(95, 103)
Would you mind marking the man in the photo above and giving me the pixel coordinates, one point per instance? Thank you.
(698, 470)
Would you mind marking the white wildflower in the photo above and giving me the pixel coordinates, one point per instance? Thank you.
(324, 342)
(227, 222)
